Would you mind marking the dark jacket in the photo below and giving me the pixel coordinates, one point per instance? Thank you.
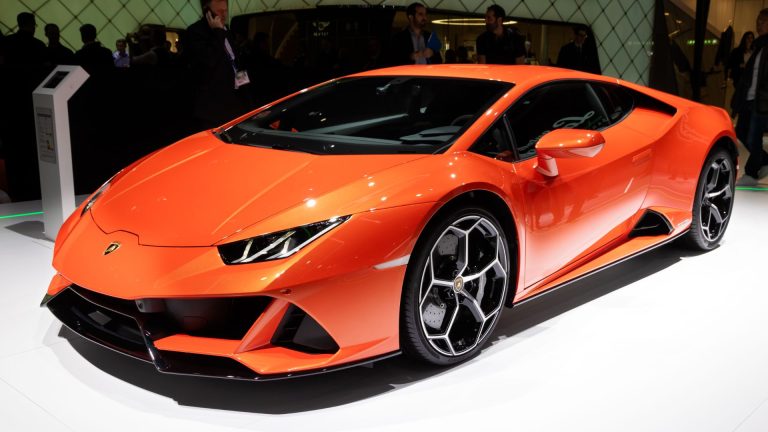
(761, 95)
(94, 58)
(735, 65)
(24, 49)
(216, 99)
(584, 59)
(504, 50)
(402, 47)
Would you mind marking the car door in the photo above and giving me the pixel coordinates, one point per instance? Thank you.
(590, 202)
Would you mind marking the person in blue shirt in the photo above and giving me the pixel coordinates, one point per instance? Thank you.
(414, 44)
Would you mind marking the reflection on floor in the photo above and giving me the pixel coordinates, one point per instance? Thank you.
(670, 341)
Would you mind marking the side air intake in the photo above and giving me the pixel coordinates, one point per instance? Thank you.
(651, 224)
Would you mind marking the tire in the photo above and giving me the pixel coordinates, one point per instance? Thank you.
(713, 203)
(455, 287)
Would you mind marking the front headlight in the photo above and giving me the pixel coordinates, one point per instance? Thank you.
(277, 245)
(97, 194)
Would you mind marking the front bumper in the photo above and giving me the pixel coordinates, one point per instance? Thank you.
(119, 325)
(335, 287)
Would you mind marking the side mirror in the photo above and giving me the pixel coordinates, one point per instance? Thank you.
(566, 144)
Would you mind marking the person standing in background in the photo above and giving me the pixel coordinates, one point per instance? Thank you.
(414, 44)
(750, 100)
(577, 55)
(739, 57)
(23, 48)
(218, 79)
(26, 65)
(93, 57)
(120, 56)
(498, 44)
(58, 54)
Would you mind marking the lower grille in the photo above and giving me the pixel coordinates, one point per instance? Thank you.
(120, 325)
(104, 325)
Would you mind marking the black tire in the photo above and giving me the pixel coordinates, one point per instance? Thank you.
(713, 203)
(439, 321)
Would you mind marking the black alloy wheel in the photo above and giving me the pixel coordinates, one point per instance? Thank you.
(455, 287)
(713, 203)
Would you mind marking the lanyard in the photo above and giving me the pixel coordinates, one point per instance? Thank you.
(231, 54)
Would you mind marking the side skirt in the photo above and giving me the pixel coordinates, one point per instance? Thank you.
(599, 269)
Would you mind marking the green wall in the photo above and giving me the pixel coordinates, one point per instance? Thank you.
(622, 27)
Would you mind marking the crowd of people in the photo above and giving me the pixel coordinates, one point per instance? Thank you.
(749, 69)
(218, 67)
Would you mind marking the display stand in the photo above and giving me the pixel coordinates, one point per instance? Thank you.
(54, 149)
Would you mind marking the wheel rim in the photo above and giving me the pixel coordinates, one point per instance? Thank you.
(463, 285)
(716, 199)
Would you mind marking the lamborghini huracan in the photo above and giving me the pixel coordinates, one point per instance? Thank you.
(399, 210)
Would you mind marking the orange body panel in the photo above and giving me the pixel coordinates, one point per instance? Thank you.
(171, 210)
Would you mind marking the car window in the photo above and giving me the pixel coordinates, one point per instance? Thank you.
(371, 115)
(495, 143)
(617, 101)
(570, 105)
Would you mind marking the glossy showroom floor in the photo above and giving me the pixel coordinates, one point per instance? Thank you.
(667, 342)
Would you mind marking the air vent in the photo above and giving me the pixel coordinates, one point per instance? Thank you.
(651, 224)
(299, 331)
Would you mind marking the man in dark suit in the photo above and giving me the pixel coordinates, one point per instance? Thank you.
(26, 65)
(578, 55)
(93, 57)
(58, 54)
(23, 48)
(414, 45)
(218, 79)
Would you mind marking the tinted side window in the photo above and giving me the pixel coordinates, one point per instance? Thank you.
(495, 143)
(555, 106)
(617, 101)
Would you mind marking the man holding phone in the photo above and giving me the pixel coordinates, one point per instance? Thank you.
(219, 80)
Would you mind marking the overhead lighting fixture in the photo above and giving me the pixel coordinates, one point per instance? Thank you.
(466, 22)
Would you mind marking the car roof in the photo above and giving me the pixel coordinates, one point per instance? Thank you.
(517, 74)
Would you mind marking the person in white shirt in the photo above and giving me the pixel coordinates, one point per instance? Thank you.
(120, 56)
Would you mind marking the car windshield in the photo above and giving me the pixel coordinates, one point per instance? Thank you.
(371, 115)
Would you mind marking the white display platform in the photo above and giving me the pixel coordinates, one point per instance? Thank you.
(670, 341)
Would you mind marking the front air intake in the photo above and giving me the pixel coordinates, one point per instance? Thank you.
(221, 318)
(300, 332)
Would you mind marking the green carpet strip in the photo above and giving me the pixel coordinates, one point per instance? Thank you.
(18, 215)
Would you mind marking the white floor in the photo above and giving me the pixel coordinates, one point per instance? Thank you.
(667, 342)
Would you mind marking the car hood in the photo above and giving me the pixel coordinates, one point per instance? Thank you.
(200, 190)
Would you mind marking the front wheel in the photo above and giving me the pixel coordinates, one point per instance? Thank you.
(713, 202)
(455, 287)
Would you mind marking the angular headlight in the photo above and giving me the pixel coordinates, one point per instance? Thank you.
(276, 245)
(97, 194)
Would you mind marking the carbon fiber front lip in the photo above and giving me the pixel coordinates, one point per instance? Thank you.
(167, 362)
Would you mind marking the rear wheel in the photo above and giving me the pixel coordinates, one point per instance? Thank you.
(455, 287)
(713, 203)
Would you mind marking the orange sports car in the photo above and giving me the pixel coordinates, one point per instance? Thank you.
(396, 210)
